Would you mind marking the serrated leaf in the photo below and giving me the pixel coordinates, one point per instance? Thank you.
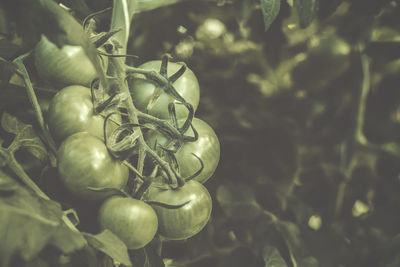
(25, 136)
(307, 10)
(28, 223)
(270, 10)
(111, 245)
(272, 257)
(238, 202)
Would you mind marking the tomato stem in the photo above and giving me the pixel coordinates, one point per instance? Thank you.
(23, 73)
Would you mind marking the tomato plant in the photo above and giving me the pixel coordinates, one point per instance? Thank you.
(71, 110)
(142, 91)
(84, 162)
(187, 220)
(206, 148)
(132, 220)
(64, 66)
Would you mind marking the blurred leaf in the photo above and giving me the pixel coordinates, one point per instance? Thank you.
(29, 223)
(290, 233)
(146, 257)
(270, 10)
(272, 257)
(25, 136)
(147, 5)
(246, 10)
(111, 245)
(309, 262)
(327, 7)
(239, 257)
(307, 10)
(6, 70)
(7, 49)
(238, 202)
(384, 51)
(7, 184)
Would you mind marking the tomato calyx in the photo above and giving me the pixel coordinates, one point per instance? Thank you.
(165, 83)
(122, 141)
(100, 105)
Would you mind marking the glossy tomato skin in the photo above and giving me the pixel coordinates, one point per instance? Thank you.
(186, 221)
(132, 220)
(142, 90)
(207, 148)
(64, 66)
(71, 111)
(84, 162)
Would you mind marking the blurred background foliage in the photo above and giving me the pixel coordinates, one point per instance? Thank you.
(308, 116)
(305, 174)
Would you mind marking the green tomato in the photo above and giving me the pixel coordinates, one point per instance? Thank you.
(132, 220)
(67, 65)
(207, 148)
(142, 90)
(186, 221)
(71, 111)
(84, 162)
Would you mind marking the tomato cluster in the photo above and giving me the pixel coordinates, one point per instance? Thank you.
(81, 124)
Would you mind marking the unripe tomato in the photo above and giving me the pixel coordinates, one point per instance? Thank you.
(142, 90)
(71, 111)
(84, 162)
(66, 66)
(186, 221)
(207, 148)
(132, 220)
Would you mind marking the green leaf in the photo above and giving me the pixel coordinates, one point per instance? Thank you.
(307, 10)
(111, 245)
(272, 257)
(238, 202)
(270, 10)
(28, 223)
(25, 136)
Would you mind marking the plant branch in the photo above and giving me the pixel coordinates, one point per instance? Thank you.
(122, 15)
(23, 73)
(357, 138)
